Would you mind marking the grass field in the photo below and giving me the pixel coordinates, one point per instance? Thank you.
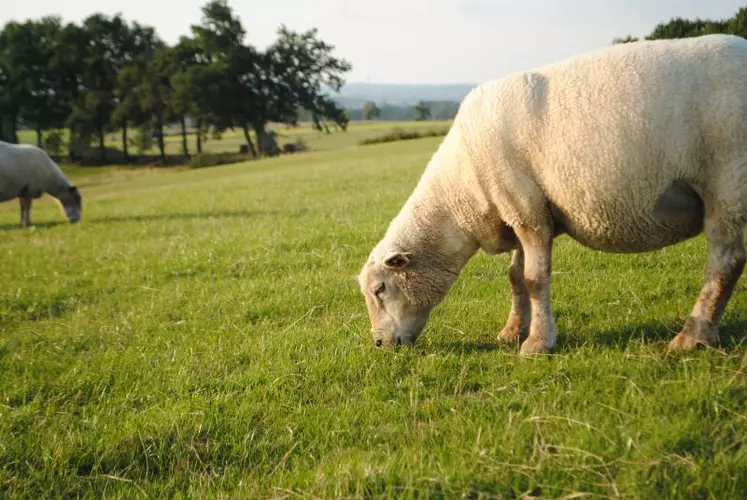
(199, 335)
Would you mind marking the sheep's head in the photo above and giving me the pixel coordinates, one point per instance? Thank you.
(401, 289)
(70, 201)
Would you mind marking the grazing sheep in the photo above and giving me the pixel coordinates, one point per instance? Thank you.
(627, 149)
(27, 172)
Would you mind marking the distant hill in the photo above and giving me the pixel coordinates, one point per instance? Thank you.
(353, 95)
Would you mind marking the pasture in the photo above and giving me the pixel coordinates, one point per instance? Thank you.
(199, 334)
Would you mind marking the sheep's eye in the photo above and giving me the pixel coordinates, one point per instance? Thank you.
(379, 289)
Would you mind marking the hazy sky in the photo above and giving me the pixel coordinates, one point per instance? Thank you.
(413, 41)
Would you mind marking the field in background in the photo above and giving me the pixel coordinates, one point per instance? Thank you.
(231, 140)
(199, 332)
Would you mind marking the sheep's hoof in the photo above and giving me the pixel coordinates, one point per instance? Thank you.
(684, 342)
(509, 335)
(533, 346)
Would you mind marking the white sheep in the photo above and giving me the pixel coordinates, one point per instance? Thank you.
(627, 149)
(27, 172)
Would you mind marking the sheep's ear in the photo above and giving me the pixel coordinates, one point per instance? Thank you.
(397, 260)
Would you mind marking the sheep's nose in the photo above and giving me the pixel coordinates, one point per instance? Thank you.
(379, 342)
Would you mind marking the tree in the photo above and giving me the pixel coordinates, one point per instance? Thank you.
(104, 57)
(271, 86)
(10, 81)
(8, 109)
(146, 90)
(28, 95)
(138, 45)
(371, 111)
(685, 28)
(180, 109)
(129, 111)
(198, 90)
(219, 39)
(155, 94)
(220, 34)
(422, 111)
(737, 25)
(246, 91)
(302, 66)
(677, 28)
(39, 104)
(67, 68)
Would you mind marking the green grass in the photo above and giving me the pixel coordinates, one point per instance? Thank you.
(199, 334)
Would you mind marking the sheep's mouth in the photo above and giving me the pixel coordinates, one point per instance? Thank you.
(395, 343)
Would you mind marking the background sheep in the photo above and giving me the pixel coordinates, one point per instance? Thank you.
(27, 172)
(627, 149)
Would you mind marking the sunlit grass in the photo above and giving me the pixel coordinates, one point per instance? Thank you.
(199, 333)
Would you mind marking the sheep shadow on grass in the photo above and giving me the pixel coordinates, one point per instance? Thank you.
(237, 214)
(35, 225)
(732, 332)
(466, 347)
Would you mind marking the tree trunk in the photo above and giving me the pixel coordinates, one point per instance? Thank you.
(249, 141)
(8, 127)
(4, 125)
(14, 129)
(102, 146)
(38, 137)
(185, 148)
(71, 145)
(259, 132)
(161, 145)
(199, 136)
(125, 152)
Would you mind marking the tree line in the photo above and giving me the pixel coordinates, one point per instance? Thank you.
(686, 28)
(422, 110)
(107, 75)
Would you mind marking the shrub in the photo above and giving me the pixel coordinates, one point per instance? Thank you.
(297, 146)
(53, 143)
(80, 143)
(269, 144)
(143, 140)
(399, 134)
(215, 159)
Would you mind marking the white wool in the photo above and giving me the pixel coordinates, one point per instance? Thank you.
(621, 148)
(25, 168)
(597, 139)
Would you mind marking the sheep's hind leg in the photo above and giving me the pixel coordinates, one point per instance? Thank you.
(519, 318)
(726, 260)
(25, 202)
(537, 247)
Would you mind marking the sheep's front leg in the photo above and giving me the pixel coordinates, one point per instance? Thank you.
(519, 318)
(537, 246)
(726, 260)
(25, 202)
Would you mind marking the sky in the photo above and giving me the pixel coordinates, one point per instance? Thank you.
(413, 41)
